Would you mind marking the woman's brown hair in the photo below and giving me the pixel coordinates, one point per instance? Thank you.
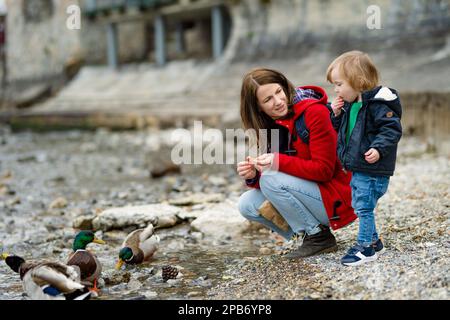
(251, 114)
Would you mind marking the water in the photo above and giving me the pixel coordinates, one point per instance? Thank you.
(98, 170)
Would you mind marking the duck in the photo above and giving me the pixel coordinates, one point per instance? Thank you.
(90, 266)
(48, 280)
(138, 247)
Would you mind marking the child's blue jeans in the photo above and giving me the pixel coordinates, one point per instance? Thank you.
(366, 190)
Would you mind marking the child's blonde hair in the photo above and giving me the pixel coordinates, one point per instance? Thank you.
(357, 68)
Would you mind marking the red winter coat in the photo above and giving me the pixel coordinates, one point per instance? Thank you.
(317, 161)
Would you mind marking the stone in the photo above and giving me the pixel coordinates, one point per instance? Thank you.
(193, 293)
(114, 277)
(197, 235)
(265, 250)
(221, 221)
(150, 294)
(58, 203)
(88, 147)
(217, 181)
(83, 222)
(13, 201)
(160, 215)
(134, 285)
(202, 282)
(164, 169)
(197, 198)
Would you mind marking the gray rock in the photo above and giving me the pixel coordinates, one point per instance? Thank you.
(114, 277)
(197, 198)
(218, 181)
(160, 215)
(221, 221)
(193, 294)
(173, 282)
(83, 222)
(150, 294)
(134, 285)
(265, 250)
(202, 282)
(58, 203)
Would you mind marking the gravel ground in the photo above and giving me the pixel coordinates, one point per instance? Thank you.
(98, 170)
(413, 221)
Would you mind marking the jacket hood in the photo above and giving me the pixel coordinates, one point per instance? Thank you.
(385, 95)
(307, 96)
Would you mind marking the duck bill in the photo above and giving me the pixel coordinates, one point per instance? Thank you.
(4, 256)
(98, 241)
(119, 264)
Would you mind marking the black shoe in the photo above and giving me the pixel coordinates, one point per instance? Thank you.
(322, 242)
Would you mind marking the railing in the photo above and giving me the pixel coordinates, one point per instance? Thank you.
(94, 7)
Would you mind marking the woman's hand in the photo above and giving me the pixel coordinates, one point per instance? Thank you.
(246, 169)
(372, 155)
(337, 105)
(264, 162)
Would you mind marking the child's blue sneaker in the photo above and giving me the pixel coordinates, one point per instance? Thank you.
(359, 255)
(378, 247)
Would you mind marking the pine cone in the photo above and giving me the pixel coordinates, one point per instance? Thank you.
(169, 272)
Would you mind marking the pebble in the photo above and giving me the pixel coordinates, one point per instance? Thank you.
(58, 203)
(150, 294)
(193, 294)
(412, 219)
(134, 285)
(83, 222)
(265, 250)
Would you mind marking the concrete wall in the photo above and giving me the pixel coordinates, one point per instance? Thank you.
(261, 30)
(39, 44)
(132, 42)
(281, 29)
(427, 115)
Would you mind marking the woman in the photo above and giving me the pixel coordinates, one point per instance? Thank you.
(309, 190)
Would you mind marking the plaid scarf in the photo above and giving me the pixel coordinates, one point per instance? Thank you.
(302, 94)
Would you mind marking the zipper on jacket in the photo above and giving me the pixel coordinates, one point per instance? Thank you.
(290, 151)
(344, 152)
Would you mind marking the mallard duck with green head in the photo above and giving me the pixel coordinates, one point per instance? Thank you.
(90, 266)
(48, 280)
(138, 247)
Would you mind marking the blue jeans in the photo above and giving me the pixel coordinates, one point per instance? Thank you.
(297, 200)
(366, 190)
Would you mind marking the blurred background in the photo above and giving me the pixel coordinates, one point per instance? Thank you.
(140, 63)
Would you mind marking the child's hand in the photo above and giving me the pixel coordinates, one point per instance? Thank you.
(264, 161)
(372, 155)
(337, 105)
(246, 169)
